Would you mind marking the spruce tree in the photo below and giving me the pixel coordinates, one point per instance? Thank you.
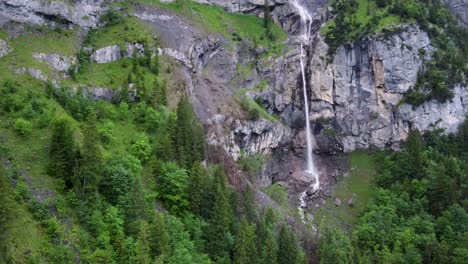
(90, 162)
(245, 251)
(415, 148)
(160, 239)
(248, 204)
(189, 135)
(62, 152)
(287, 247)
(218, 244)
(197, 188)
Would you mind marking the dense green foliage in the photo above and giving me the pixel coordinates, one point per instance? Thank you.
(124, 180)
(418, 212)
(357, 19)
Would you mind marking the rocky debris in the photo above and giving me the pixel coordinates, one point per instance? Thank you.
(114, 52)
(84, 13)
(337, 201)
(350, 202)
(59, 63)
(4, 49)
(35, 73)
(459, 8)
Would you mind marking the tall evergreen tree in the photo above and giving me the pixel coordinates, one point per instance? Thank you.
(245, 251)
(441, 190)
(335, 247)
(287, 247)
(62, 151)
(160, 239)
(248, 204)
(90, 162)
(189, 135)
(218, 244)
(415, 148)
(197, 188)
(160, 93)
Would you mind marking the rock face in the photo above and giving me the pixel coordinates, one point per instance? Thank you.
(59, 63)
(252, 137)
(113, 53)
(355, 98)
(4, 49)
(459, 8)
(84, 13)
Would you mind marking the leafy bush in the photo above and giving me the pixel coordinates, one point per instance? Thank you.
(22, 127)
(253, 163)
(141, 148)
(278, 193)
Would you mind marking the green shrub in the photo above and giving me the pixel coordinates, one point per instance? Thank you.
(22, 127)
(253, 163)
(278, 193)
(141, 148)
(106, 131)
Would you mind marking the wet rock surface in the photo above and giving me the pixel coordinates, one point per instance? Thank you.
(84, 13)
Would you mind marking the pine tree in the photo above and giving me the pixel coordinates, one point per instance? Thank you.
(248, 202)
(441, 190)
(287, 247)
(159, 240)
(335, 247)
(245, 251)
(189, 135)
(160, 93)
(143, 244)
(90, 162)
(220, 217)
(415, 148)
(62, 152)
(269, 250)
(197, 188)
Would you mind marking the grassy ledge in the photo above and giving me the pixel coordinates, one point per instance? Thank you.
(358, 186)
(236, 27)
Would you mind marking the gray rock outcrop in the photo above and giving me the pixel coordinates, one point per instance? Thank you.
(4, 49)
(359, 92)
(252, 137)
(84, 13)
(57, 62)
(114, 52)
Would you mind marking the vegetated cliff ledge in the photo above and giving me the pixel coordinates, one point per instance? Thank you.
(356, 97)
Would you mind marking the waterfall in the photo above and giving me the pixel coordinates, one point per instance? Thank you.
(306, 23)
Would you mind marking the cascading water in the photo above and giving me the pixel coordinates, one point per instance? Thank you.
(306, 22)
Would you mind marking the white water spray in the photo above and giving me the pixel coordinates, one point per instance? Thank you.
(306, 23)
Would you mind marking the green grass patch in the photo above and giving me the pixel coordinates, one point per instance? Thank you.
(48, 41)
(111, 75)
(278, 193)
(357, 19)
(234, 26)
(254, 110)
(358, 186)
(129, 29)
